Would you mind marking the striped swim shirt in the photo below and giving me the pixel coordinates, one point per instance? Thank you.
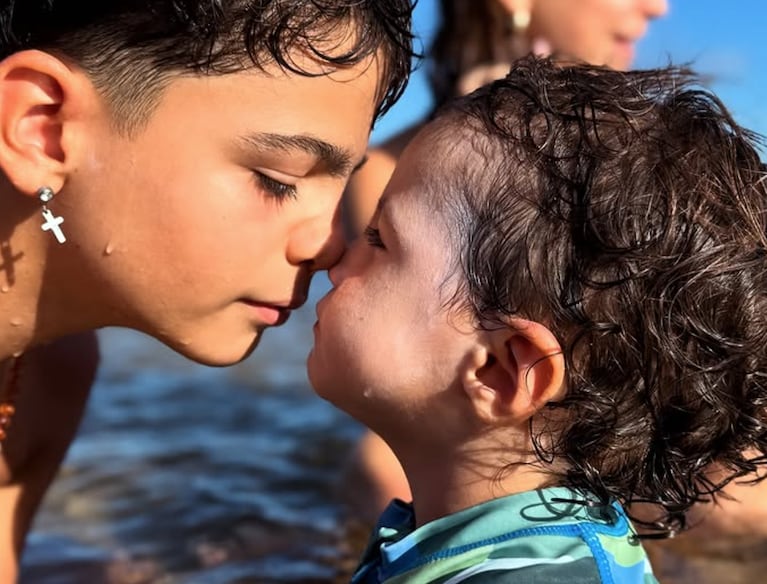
(547, 536)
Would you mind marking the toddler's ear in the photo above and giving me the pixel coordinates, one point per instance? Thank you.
(39, 95)
(514, 372)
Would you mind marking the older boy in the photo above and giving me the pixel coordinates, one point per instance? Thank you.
(195, 153)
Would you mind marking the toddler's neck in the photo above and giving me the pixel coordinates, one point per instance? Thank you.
(450, 481)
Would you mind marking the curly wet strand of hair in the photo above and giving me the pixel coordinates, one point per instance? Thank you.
(628, 212)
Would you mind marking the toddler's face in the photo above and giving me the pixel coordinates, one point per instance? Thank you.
(384, 341)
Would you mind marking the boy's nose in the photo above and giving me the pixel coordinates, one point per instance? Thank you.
(331, 252)
(317, 246)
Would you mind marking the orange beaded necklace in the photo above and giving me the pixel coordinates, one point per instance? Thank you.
(8, 398)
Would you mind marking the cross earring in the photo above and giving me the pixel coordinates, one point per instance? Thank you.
(51, 223)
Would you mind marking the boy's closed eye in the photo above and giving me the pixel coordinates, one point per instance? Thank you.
(279, 190)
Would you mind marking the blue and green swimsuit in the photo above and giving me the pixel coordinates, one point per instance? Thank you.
(547, 536)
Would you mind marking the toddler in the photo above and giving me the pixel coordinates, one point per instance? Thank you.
(557, 319)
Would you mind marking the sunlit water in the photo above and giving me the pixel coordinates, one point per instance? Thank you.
(187, 474)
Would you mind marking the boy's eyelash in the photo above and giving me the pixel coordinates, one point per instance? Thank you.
(277, 189)
(374, 237)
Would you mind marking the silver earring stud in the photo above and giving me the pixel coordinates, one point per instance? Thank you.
(51, 222)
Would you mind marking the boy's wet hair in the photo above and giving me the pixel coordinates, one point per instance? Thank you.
(131, 48)
(628, 213)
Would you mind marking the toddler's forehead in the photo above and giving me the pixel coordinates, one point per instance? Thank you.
(455, 157)
(443, 151)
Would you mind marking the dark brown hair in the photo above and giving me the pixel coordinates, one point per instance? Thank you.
(131, 48)
(628, 213)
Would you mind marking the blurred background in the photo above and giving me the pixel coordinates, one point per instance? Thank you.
(725, 40)
(183, 473)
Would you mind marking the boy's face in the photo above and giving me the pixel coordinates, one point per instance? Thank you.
(385, 343)
(204, 227)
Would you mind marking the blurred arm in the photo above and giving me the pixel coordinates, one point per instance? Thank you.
(55, 382)
(367, 184)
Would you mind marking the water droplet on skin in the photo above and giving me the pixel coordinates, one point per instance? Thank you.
(5, 289)
(109, 249)
(15, 322)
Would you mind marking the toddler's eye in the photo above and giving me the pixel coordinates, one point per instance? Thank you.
(374, 237)
(275, 188)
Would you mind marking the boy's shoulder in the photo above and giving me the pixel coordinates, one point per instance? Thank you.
(541, 536)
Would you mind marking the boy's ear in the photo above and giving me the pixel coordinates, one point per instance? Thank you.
(514, 372)
(39, 94)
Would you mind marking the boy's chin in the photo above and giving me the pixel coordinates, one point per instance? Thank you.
(216, 354)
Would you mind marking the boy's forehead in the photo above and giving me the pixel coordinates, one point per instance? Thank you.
(251, 113)
(265, 86)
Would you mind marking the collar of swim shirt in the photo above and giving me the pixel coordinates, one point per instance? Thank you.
(396, 547)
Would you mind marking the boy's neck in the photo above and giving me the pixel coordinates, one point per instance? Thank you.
(20, 279)
(27, 316)
(465, 476)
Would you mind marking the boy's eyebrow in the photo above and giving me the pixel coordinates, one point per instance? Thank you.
(338, 160)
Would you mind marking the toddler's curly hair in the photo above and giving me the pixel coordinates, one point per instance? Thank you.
(627, 211)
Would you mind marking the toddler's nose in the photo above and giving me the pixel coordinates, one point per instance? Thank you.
(335, 273)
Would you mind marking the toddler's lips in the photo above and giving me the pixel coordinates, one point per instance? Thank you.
(318, 306)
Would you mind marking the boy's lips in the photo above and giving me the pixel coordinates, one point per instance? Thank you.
(272, 314)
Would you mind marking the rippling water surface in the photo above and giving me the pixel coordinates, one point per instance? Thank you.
(183, 473)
